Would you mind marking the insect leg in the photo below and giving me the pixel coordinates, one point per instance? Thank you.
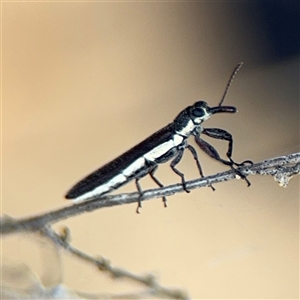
(221, 134)
(194, 153)
(151, 173)
(140, 191)
(212, 152)
(174, 162)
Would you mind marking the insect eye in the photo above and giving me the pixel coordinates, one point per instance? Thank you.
(198, 112)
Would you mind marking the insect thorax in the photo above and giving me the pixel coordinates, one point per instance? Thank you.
(185, 126)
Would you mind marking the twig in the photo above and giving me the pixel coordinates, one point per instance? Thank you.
(149, 281)
(282, 168)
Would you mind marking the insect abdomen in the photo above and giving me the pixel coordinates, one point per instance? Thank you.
(135, 163)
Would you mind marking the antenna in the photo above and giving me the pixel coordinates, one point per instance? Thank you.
(236, 69)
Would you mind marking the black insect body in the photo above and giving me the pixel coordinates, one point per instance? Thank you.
(166, 144)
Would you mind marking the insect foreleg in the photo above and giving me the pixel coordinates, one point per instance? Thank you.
(151, 173)
(174, 162)
(212, 152)
(221, 134)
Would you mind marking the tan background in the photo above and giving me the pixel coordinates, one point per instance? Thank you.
(83, 82)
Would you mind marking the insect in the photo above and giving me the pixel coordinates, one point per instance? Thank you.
(165, 144)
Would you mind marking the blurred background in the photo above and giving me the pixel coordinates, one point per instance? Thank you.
(84, 82)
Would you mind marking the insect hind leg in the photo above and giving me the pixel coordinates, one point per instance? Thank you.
(150, 169)
(140, 191)
(151, 173)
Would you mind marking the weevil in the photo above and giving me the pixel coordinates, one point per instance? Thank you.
(168, 143)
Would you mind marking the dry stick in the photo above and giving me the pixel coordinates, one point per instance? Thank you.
(149, 281)
(282, 168)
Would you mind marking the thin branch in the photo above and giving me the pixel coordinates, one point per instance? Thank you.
(281, 168)
(149, 281)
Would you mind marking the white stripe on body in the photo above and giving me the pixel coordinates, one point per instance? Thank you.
(186, 131)
(138, 164)
(104, 188)
(161, 149)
